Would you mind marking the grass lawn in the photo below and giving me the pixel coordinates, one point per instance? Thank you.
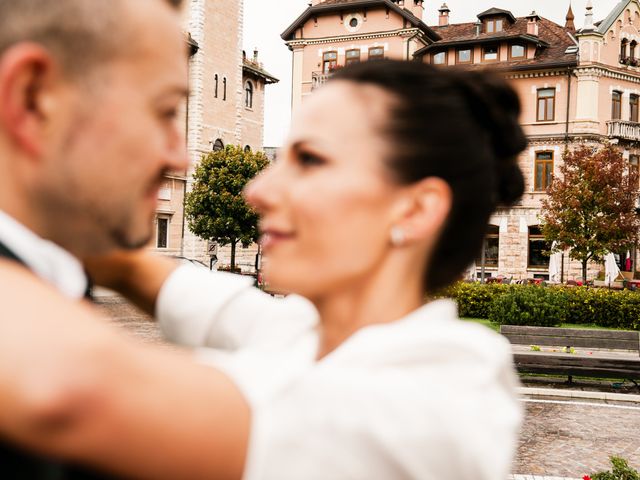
(496, 327)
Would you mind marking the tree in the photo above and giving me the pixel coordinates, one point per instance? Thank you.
(215, 208)
(590, 207)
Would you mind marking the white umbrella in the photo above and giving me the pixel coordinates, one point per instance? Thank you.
(611, 270)
(555, 260)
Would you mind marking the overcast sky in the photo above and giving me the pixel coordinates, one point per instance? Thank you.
(265, 20)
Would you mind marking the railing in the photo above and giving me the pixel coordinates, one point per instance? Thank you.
(631, 61)
(318, 79)
(624, 130)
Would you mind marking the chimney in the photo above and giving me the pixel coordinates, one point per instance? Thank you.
(255, 55)
(444, 15)
(588, 17)
(532, 24)
(478, 27)
(570, 25)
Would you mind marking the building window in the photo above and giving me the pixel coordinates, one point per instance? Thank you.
(215, 88)
(634, 165)
(490, 54)
(464, 55)
(248, 95)
(538, 248)
(616, 106)
(439, 58)
(218, 145)
(543, 171)
(352, 56)
(353, 23)
(224, 88)
(247, 149)
(492, 26)
(329, 62)
(546, 105)
(633, 107)
(518, 51)
(162, 232)
(491, 247)
(376, 53)
(623, 50)
(632, 50)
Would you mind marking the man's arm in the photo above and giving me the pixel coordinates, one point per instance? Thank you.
(71, 386)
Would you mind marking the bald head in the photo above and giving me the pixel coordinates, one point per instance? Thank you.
(79, 33)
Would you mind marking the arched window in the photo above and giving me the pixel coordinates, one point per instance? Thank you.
(623, 50)
(247, 149)
(218, 145)
(632, 50)
(215, 88)
(224, 88)
(248, 95)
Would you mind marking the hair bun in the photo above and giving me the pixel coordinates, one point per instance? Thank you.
(496, 107)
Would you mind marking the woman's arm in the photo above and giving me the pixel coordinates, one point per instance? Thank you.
(138, 275)
(70, 386)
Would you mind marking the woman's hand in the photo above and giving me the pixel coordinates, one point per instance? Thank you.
(136, 274)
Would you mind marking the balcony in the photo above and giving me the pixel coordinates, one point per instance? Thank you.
(630, 61)
(318, 79)
(623, 130)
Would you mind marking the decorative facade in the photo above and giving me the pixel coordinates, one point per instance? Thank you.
(576, 87)
(225, 106)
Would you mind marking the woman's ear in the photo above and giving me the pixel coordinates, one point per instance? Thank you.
(427, 204)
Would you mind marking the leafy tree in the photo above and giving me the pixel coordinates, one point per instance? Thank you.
(215, 208)
(590, 207)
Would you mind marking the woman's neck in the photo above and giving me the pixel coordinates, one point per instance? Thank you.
(375, 300)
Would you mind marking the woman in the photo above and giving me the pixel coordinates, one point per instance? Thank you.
(380, 197)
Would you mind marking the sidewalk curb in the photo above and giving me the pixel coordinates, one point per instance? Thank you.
(578, 394)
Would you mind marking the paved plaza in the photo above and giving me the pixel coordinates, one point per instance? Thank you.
(561, 438)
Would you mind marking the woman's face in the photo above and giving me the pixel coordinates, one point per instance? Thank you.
(327, 203)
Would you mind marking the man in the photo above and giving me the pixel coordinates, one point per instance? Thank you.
(89, 95)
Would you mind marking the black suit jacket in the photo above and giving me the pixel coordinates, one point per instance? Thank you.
(17, 464)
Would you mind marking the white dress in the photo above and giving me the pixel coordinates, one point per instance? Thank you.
(427, 397)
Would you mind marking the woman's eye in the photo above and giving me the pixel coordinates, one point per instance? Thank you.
(308, 159)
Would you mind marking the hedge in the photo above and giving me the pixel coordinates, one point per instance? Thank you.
(547, 305)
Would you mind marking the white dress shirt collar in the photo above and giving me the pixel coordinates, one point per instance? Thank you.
(46, 259)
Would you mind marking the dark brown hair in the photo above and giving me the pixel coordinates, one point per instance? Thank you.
(461, 126)
(80, 33)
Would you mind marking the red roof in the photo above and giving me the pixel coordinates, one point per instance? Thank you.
(552, 40)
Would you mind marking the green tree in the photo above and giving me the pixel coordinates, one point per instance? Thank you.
(215, 208)
(590, 207)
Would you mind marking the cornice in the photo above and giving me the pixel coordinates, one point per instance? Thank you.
(605, 71)
(537, 74)
(404, 32)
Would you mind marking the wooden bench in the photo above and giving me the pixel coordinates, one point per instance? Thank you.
(598, 353)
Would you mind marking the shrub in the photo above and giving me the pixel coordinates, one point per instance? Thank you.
(580, 305)
(474, 299)
(529, 305)
(621, 471)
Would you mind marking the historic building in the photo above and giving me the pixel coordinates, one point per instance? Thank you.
(576, 86)
(226, 106)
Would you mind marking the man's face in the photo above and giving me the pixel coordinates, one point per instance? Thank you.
(118, 136)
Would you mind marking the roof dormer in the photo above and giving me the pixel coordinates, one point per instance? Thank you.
(496, 20)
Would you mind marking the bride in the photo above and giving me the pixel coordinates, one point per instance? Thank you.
(378, 200)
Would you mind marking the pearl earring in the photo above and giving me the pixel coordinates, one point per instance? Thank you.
(397, 236)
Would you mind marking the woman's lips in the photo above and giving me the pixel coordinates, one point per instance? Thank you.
(270, 238)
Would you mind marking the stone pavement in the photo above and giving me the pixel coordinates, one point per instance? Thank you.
(560, 439)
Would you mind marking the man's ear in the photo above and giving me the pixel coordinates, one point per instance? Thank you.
(427, 206)
(26, 72)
